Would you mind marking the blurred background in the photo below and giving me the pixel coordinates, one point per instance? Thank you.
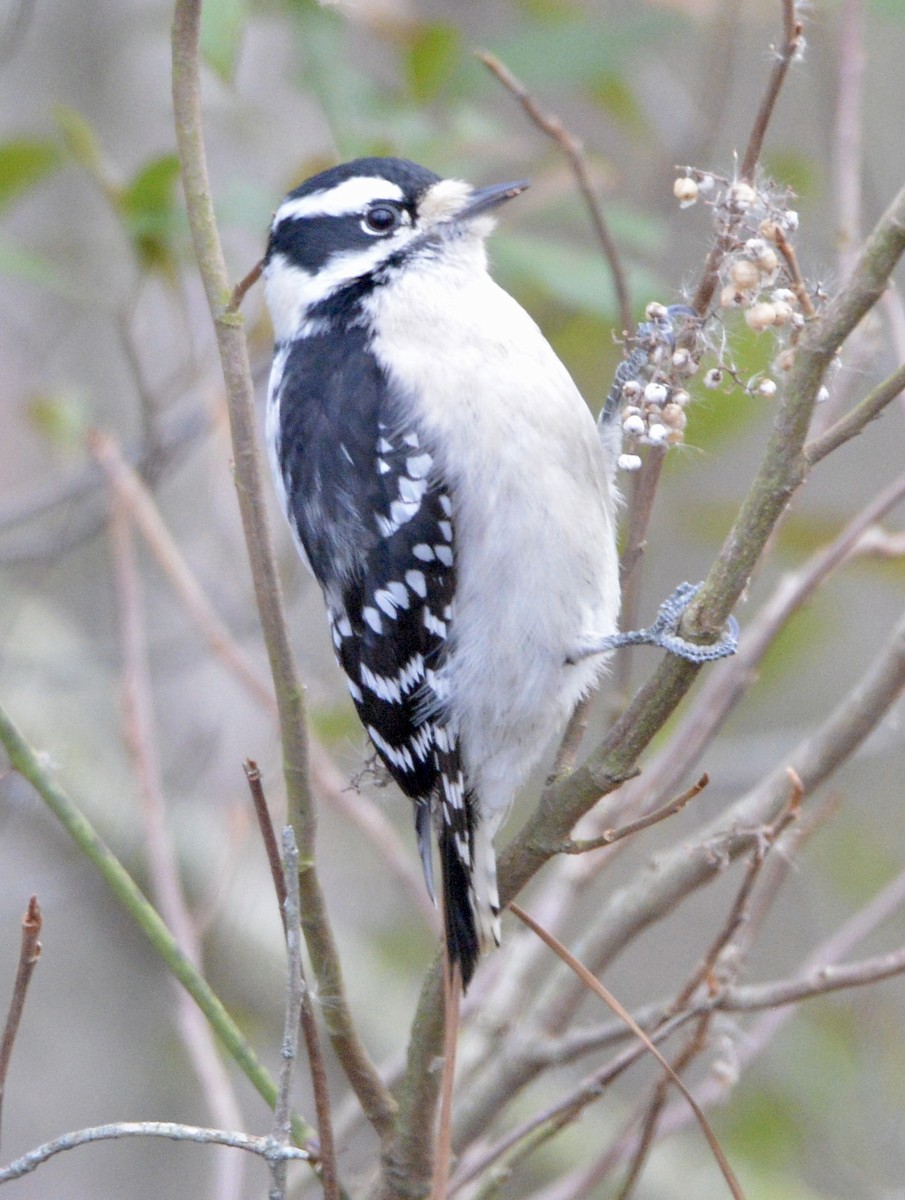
(103, 326)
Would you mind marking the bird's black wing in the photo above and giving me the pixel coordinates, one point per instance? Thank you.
(376, 522)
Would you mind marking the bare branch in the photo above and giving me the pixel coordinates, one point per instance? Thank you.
(609, 836)
(820, 982)
(360, 1070)
(29, 953)
(854, 421)
(281, 1131)
(785, 56)
(593, 984)
(141, 738)
(31, 767)
(723, 688)
(791, 42)
(572, 148)
(262, 1146)
(284, 885)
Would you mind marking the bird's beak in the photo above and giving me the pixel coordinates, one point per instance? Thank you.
(484, 200)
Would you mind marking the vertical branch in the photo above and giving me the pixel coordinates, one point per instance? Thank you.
(376, 1101)
(282, 1124)
(284, 880)
(141, 737)
(29, 953)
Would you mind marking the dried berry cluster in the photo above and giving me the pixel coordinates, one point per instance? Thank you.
(757, 277)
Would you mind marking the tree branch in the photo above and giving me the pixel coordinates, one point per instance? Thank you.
(27, 763)
(359, 1069)
(262, 1146)
(29, 953)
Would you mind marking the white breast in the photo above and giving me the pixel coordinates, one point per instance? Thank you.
(533, 509)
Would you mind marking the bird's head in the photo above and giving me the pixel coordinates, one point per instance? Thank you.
(349, 229)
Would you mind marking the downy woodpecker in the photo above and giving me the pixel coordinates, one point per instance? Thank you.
(448, 487)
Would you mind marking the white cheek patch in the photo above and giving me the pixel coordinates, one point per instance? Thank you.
(347, 198)
(292, 292)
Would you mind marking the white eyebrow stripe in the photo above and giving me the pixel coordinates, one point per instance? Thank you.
(345, 199)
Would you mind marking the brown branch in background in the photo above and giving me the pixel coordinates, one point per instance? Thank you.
(29, 953)
(796, 279)
(328, 783)
(694, 1046)
(847, 133)
(574, 152)
(785, 55)
(325, 1153)
(594, 985)
(376, 1100)
(281, 1129)
(244, 285)
(792, 30)
(268, 837)
(140, 734)
(856, 419)
(609, 836)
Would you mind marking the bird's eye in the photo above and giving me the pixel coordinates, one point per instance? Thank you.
(381, 218)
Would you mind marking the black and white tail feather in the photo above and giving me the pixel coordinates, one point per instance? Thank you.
(447, 486)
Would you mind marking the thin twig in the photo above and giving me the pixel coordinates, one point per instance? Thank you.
(32, 767)
(268, 837)
(29, 953)
(262, 1146)
(694, 1046)
(244, 285)
(326, 1154)
(452, 997)
(141, 738)
(792, 30)
(376, 1100)
(572, 148)
(847, 172)
(594, 985)
(856, 419)
(785, 56)
(281, 1131)
(609, 836)
(796, 279)
(329, 784)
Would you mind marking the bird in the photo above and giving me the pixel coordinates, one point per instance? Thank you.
(450, 490)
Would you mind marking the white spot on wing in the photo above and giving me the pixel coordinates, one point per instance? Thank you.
(372, 618)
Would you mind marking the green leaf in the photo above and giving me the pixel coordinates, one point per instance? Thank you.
(80, 140)
(616, 98)
(432, 56)
(148, 207)
(23, 163)
(61, 417)
(222, 29)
